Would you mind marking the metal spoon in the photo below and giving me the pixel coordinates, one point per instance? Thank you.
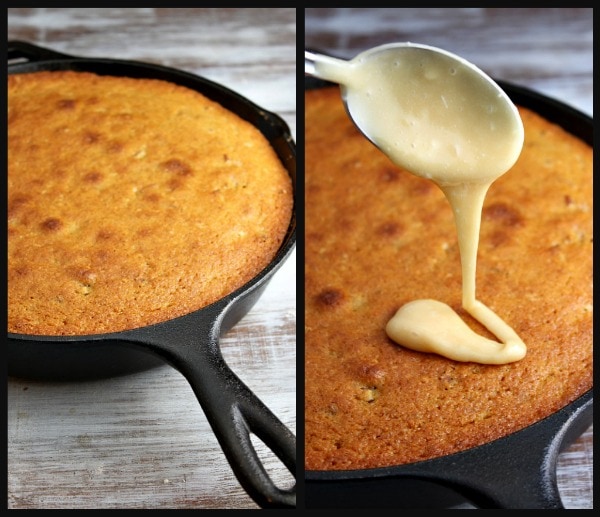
(429, 110)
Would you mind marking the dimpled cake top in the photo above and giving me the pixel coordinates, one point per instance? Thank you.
(131, 202)
(378, 237)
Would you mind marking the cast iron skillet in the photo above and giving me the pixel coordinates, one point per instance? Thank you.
(189, 343)
(517, 471)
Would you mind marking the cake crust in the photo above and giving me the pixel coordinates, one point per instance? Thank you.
(378, 237)
(131, 202)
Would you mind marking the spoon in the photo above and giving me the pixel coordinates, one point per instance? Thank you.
(429, 110)
(441, 118)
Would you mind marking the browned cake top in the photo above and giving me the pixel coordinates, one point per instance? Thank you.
(378, 237)
(132, 201)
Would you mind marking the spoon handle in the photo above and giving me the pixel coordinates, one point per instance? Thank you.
(324, 67)
(309, 62)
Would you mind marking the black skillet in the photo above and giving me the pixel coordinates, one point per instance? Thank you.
(189, 343)
(517, 471)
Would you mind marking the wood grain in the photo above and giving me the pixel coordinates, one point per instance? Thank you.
(548, 50)
(142, 441)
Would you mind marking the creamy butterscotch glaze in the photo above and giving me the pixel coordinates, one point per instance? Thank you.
(441, 118)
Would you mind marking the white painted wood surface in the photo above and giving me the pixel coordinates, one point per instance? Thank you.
(548, 50)
(142, 441)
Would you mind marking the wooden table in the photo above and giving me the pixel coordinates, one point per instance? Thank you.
(547, 50)
(142, 441)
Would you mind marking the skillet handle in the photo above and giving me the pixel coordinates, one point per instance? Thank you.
(24, 51)
(234, 412)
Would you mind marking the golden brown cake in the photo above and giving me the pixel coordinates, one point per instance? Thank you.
(131, 201)
(378, 237)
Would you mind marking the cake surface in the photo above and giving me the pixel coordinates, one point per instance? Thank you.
(378, 237)
(131, 202)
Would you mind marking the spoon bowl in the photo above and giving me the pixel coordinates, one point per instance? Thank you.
(430, 111)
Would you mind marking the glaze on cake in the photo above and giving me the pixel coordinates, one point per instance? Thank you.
(378, 237)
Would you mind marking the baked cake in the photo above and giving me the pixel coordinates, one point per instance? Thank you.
(378, 237)
(131, 202)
